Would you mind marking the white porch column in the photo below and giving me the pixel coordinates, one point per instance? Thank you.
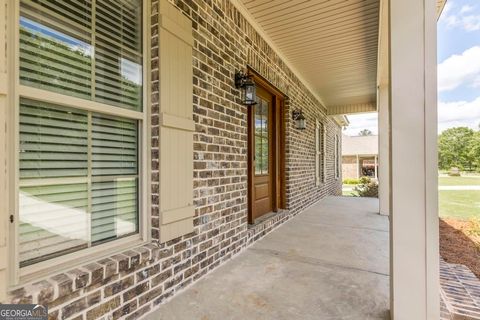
(413, 122)
(375, 167)
(383, 149)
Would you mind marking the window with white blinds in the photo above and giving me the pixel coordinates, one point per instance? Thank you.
(90, 49)
(337, 157)
(320, 151)
(79, 167)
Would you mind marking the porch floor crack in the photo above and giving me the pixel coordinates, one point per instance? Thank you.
(312, 261)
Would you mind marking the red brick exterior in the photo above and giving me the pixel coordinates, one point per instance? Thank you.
(134, 282)
(350, 169)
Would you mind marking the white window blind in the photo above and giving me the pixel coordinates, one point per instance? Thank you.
(79, 170)
(337, 157)
(115, 177)
(86, 49)
(79, 177)
(320, 153)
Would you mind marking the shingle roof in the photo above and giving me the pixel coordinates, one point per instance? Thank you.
(361, 145)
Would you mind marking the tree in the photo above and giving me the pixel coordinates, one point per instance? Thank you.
(365, 132)
(474, 149)
(454, 149)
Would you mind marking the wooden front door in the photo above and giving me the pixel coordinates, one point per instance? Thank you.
(263, 154)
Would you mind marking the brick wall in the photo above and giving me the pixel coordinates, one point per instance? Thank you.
(134, 282)
(349, 167)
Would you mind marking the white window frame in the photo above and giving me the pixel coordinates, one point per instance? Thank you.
(320, 152)
(17, 275)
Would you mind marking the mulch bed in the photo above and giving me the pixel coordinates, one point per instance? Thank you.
(458, 245)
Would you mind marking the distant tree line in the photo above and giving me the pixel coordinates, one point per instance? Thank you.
(459, 147)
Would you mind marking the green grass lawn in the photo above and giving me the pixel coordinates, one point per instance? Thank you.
(459, 181)
(461, 204)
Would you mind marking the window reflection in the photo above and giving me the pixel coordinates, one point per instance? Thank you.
(74, 193)
(53, 60)
(101, 61)
(53, 220)
(261, 137)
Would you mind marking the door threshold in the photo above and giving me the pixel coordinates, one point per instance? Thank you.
(265, 218)
(266, 223)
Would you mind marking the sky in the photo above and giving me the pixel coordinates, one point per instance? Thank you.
(130, 70)
(458, 70)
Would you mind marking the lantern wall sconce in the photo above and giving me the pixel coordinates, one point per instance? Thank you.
(299, 118)
(245, 82)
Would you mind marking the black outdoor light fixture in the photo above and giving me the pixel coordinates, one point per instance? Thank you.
(245, 82)
(300, 122)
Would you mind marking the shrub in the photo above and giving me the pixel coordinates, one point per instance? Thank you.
(454, 172)
(474, 227)
(367, 188)
(351, 181)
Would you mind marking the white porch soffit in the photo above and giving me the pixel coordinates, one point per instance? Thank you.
(331, 43)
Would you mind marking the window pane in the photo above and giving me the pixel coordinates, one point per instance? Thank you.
(59, 47)
(55, 50)
(78, 180)
(114, 146)
(265, 149)
(53, 221)
(258, 154)
(320, 152)
(264, 164)
(118, 53)
(53, 141)
(258, 137)
(114, 202)
(261, 136)
(114, 209)
(319, 137)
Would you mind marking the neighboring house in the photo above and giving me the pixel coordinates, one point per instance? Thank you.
(359, 157)
(131, 163)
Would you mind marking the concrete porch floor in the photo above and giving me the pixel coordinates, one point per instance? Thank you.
(329, 262)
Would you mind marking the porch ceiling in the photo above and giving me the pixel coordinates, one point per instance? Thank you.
(440, 6)
(331, 43)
